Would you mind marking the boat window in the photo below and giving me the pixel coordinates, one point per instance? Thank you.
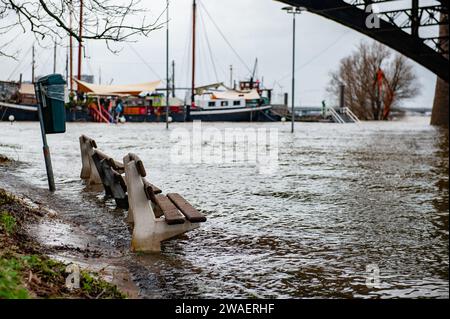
(224, 103)
(211, 104)
(237, 103)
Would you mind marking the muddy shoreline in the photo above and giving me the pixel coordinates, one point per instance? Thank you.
(67, 232)
(29, 228)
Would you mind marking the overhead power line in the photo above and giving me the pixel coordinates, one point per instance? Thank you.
(225, 38)
(146, 64)
(315, 56)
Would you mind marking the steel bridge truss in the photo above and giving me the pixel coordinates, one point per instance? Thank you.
(400, 25)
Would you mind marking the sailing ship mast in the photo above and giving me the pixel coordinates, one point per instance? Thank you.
(32, 65)
(54, 58)
(79, 41)
(70, 48)
(173, 78)
(194, 9)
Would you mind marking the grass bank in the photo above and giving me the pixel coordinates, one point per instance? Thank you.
(26, 272)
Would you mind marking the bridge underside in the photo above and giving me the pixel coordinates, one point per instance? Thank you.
(399, 29)
(392, 30)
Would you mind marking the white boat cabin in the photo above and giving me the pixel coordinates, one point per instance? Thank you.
(206, 102)
(228, 99)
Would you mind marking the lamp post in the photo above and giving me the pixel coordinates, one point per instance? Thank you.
(294, 11)
(167, 68)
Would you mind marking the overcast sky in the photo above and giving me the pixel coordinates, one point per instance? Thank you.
(255, 29)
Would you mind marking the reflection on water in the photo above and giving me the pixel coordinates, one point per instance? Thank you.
(344, 197)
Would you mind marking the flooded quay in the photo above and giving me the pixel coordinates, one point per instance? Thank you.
(343, 200)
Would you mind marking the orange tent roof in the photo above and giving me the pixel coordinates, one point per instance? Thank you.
(130, 89)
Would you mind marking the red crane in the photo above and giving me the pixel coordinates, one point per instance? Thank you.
(385, 93)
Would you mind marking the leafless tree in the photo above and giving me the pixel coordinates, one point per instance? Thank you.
(109, 20)
(359, 73)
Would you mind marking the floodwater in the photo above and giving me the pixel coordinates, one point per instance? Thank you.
(347, 202)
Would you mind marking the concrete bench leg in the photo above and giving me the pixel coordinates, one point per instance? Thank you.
(85, 169)
(88, 170)
(94, 176)
(97, 162)
(148, 231)
(130, 218)
(112, 185)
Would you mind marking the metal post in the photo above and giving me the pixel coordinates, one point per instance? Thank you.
(80, 45)
(46, 149)
(293, 11)
(173, 78)
(71, 48)
(194, 15)
(167, 68)
(231, 76)
(67, 67)
(415, 19)
(54, 58)
(32, 65)
(341, 97)
(293, 73)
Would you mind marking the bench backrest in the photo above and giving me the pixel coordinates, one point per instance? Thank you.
(139, 164)
(89, 140)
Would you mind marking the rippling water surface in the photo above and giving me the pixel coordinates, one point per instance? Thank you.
(344, 197)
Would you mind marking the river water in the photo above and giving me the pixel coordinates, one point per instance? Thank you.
(346, 202)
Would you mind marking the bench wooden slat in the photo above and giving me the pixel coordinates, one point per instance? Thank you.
(150, 188)
(118, 166)
(139, 164)
(169, 209)
(192, 214)
(101, 155)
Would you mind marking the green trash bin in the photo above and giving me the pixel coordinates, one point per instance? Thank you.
(50, 93)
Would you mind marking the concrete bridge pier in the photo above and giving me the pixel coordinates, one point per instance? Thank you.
(440, 113)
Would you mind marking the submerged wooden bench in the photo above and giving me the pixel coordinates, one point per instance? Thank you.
(88, 170)
(155, 217)
(173, 206)
(192, 214)
(99, 168)
(112, 180)
(171, 214)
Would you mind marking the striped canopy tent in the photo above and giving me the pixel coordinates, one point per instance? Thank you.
(104, 90)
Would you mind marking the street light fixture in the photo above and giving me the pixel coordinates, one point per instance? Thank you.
(294, 11)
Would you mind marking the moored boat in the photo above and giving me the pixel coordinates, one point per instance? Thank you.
(19, 112)
(17, 100)
(219, 103)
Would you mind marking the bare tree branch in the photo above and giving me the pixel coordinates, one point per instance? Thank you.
(358, 72)
(109, 20)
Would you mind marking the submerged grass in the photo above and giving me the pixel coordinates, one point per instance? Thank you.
(26, 272)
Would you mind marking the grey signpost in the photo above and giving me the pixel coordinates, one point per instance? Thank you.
(46, 149)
